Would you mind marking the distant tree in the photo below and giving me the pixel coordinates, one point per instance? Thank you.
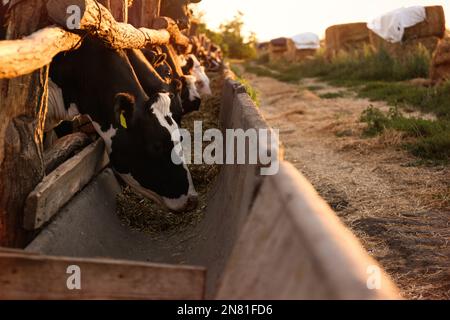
(231, 39)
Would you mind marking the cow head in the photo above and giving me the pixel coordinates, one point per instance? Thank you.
(189, 95)
(142, 152)
(177, 10)
(193, 67)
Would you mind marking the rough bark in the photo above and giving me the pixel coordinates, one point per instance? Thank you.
(23, 104)
(98, 21)
(18, 57)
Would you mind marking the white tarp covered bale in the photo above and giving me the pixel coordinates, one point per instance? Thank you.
(391, 26)
(426, 33)
(307, 40)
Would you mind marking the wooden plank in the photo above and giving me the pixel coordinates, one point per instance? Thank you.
(25, 276)
(19, 57)
(177, 38)
(300, 249)
(62, 184)
(63, 149)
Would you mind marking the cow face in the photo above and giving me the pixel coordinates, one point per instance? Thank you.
(189, 95)
(177, 10)
(142, 152)
(194, 68)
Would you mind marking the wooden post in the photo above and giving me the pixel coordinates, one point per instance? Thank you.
(142, 12)
(23, 105)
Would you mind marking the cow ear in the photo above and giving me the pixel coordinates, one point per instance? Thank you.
(177, 85)
(187, 69)
(160, 59)
(124, 108)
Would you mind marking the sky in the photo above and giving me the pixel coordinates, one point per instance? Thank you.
(276, 18)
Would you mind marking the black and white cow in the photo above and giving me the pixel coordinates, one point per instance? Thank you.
(191, 66)
(151, 81)
(190, 97)
(138, 129)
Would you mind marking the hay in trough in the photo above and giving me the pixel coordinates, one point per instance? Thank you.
(149, 217)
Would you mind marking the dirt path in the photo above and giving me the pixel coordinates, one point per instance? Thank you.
(400, 212)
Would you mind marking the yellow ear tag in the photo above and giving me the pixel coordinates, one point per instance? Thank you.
(123, 121)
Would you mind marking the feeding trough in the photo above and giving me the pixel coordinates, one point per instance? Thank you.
(254, 236)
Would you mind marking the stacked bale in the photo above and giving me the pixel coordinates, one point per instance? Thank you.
(440, 65)
(282, 49)
(263, 48)
(346, 37)
(306, 44)
(427, 33)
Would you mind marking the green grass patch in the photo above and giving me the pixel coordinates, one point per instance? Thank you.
(427, 139)
(430, 100)
(333, 95)
(251, 91)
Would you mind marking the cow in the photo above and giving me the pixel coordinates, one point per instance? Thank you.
(141, 137)
(177, 10)
(152, 81)
(191, 66)
(190, 97)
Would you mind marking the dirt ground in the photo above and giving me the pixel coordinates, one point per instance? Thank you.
(400, 211)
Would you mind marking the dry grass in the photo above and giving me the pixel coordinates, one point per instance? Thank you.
(399, 209)
(145, 215)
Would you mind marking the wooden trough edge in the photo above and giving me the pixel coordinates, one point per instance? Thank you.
(26, 275)
(57, 188)
(293, 245)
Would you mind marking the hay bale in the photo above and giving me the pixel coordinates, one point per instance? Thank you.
(405, 47)
(433, 26)
(440, 65)
(346, 37)
(303, 54)
(282, 49)
(428, 33)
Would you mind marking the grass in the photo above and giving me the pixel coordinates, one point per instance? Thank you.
(332, 95)
(252, 92)
(379, 76)
(366, 65)
(426, 139)
(434, 100)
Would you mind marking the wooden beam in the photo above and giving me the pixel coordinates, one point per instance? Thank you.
(30, 276)
(19, 57)
(23, 105)
(63, 149)
(177, 38)
(62, 184)
(98, 21)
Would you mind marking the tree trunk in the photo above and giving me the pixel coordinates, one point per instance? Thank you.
(23, 104)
